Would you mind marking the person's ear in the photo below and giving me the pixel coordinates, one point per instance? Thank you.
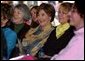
(49, 18)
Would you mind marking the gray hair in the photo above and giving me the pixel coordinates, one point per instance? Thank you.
(24, 8)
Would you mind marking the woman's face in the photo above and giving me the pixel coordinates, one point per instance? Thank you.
(62, 15)
(34, 14)
(75, 18)
(43, 18)
(3, 21)
(18, 14)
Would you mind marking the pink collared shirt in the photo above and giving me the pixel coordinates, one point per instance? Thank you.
(75, 48)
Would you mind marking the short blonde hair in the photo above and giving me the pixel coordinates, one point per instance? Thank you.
(66, 7)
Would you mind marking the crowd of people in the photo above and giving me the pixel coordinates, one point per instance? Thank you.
(27, 30)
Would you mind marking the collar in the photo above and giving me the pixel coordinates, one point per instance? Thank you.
(81, 30)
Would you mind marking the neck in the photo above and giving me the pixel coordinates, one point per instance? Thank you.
(47, 26)
(81, 25)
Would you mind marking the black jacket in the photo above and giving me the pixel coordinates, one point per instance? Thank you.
(54, 45)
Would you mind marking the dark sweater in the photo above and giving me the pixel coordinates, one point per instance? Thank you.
(3, 45)
(54, 45)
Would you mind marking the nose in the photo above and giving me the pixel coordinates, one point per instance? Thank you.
(15, 14)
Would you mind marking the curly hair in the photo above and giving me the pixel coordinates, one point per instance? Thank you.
(6, 11)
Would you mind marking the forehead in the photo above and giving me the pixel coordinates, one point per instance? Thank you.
(18, 10)
(42, 11)
(63, 9)
(33, 10)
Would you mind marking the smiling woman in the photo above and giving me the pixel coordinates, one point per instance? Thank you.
(37, 39)
(75, 49)
(59, 37)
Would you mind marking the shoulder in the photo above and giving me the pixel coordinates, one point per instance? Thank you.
(10, 32)
(70, 31)
(53, 31)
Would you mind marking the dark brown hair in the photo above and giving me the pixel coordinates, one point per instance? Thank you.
(79, 5)
(34, 24)
(49, 9)
(6, 11)
(35, 7)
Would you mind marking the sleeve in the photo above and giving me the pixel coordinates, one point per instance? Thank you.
(74, 51)
(11, 38)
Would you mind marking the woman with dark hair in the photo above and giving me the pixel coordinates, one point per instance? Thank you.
(34, 12)
(60, 36)
(75, 49)
(8, 34)
(34, 21)
(37, 39)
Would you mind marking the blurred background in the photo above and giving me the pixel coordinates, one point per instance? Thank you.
(33, 3)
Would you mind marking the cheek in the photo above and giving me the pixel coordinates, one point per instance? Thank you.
(14, 14)
(3, 23)
(42, 20)
(46, 18)
(21, 16)
(34, 16)
(18, 15)
(63, 19)
(74, 19)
